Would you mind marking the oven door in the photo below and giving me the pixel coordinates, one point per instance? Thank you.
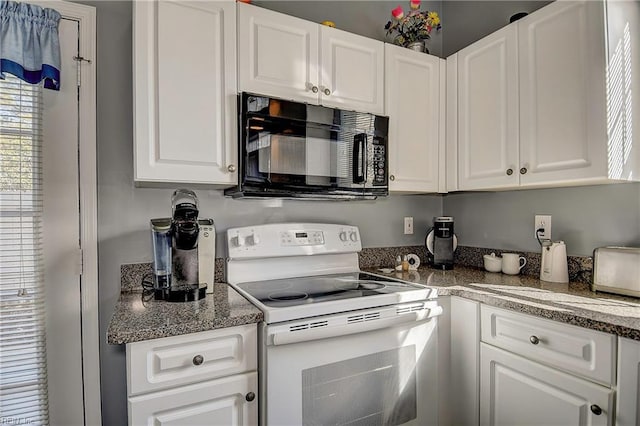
(372, 371)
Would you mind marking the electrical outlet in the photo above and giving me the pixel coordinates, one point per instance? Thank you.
(544, 222)
(408, 225)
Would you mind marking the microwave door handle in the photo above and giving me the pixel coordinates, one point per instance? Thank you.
(359, 152)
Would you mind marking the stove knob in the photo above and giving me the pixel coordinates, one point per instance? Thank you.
(253, 240)
(353, 236)
(343, 236)
(237, 241)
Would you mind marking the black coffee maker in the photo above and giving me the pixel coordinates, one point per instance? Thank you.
(176, 260)
(441, 242)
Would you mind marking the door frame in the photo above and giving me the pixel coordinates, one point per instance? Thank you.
(88, 192)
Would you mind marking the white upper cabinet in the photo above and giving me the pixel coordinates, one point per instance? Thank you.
(488, 112)
(278, 54)
(535, 105)
(351, 71)
(290, 58)
(184, 66)
(562, 94)
(414, 97)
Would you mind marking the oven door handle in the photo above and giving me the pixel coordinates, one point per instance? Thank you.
(289, 337)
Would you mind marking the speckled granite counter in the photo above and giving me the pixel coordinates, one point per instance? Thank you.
(137, 317)
(571, 303)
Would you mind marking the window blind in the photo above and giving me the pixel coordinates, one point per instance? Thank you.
(23, 373)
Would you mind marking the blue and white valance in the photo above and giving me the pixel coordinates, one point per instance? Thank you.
(29, 43)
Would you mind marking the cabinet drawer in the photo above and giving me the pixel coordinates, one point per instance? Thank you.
(226, 401)
(585, 352)
(180, 360)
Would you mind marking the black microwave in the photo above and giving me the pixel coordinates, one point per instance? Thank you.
(296, 150)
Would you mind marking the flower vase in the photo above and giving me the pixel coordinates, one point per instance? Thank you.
(418, 46)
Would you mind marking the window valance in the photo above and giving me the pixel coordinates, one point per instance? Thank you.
(29, 43)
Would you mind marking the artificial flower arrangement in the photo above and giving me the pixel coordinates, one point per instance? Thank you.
(415, 26)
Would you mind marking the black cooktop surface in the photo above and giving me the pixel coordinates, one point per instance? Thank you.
(323, 288)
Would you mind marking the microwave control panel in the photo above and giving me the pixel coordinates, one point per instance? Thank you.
(379, 162)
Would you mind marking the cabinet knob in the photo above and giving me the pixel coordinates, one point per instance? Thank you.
(509, 172)
(523, 170)
(250, 396)
(314, 89)
(231, 168)
(596, 410)
(327, 92)
(392, 177)
(534, 340)
(198, 360)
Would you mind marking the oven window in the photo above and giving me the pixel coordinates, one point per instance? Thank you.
(376, 389)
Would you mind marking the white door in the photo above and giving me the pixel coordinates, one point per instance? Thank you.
(61, 239)
(185, 92)
(562, 93)
(351, 71)
(628, 398)
(230, 401)
(516, 391)
(412, 98)
(488, 112)
(278, 54)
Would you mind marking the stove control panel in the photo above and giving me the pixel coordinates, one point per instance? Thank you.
(292, 239)
(301, 238)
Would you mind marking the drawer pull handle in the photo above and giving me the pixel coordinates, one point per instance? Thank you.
(534, 340)
(250, 396)
(198, 359)
(596, 410)
(523, 171)
(392, 178)
(314, 89)
(231, 168)
(509, 172)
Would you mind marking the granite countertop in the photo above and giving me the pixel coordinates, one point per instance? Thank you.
(139, 317)
(572, 303)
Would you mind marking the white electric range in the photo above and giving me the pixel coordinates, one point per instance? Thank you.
(337, 346)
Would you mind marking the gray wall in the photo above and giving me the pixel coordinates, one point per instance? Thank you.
(366, 18)
(467, 21)
(584, 217)
(124, 210)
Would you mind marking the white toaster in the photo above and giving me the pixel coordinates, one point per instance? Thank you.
(617, 270)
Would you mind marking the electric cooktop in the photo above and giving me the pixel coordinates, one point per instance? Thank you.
(297, 291)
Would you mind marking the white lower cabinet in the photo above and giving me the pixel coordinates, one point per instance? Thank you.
(516, 391)
(628, 409)
(225, 402)
(194, 379)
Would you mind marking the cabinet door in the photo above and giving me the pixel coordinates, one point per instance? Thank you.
(488, 112)
(627, 412)
(352, 71)
(412, 97)
(224, 402)
(465, 358)
(278, 54)
(562, 94)
(185, 91)
(516, 391)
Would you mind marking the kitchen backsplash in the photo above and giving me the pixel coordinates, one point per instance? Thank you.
(580, 267)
